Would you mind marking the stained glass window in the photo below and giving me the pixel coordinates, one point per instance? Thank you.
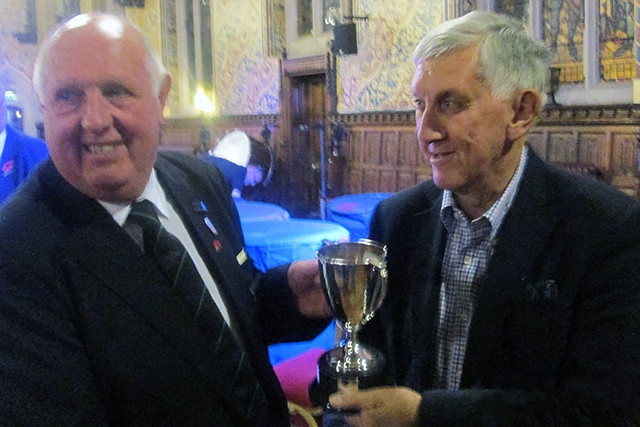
(564, 34)
(592, 41)
(616, 40)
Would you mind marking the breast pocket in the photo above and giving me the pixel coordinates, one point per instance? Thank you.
(534, 340)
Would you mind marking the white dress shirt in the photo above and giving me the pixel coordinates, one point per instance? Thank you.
(172, 222)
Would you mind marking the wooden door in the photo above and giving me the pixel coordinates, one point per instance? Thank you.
(307, 135)
(305, 106)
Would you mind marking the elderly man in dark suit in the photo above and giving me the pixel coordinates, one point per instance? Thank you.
(514, 286)
(93, 330)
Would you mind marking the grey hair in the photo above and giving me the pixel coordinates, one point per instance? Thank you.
(510, 60)
(153, 62)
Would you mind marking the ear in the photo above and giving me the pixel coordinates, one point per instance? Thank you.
(526, 107)
(163, 94)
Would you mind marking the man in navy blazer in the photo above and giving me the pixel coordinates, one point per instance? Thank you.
(514, 286)
(91, 333)
(19, 153)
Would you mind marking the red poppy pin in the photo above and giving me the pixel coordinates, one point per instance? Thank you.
(217, 244)
(7, 167)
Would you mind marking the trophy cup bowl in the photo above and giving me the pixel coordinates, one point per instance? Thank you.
(354, 279)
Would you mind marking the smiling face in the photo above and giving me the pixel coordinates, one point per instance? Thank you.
(102, 116)
(464, 132)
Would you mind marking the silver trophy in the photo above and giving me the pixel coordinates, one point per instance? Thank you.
(354, 279)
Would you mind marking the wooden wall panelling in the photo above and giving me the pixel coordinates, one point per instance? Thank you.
(562, 146)
(624, 161)
(383, 154)
(604, 136)
(184, 134)
(353, 158)
(538, 141)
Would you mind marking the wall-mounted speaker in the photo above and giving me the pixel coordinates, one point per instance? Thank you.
(131, 3)
(345, 41)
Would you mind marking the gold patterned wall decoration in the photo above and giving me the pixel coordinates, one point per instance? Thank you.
(169, 57)
(15, 19)
(378, 78)
(637, 37)
(155, 22)
(149, 19)
(246, 81)
(273, 27)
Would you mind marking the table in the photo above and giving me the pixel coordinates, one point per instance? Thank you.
(273, 243)
(270, 243)
(354, 211)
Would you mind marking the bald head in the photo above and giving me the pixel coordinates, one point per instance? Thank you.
(102, 27)
(103, 93)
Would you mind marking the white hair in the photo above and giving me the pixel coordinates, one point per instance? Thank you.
(510, 60)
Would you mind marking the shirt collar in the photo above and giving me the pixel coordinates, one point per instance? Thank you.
(498, 211)
(152, 191)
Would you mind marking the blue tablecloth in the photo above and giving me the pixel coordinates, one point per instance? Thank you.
(250, 211)
(272, 243)
(283, 351)
(354, 211)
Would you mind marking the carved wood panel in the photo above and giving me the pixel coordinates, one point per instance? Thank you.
(382, 153)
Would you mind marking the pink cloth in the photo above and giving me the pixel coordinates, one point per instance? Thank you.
(297, 373)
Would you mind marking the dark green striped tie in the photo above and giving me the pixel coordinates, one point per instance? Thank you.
(172, 259)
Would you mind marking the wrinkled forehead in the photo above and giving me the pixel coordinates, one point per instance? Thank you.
(457, 70)
(93, 52)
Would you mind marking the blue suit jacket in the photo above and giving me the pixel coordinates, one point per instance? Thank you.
(555, 337)
(21, 154)
(89, 335)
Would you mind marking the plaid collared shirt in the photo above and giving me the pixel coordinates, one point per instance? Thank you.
(469, 248)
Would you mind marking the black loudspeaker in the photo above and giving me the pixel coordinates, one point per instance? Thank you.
(131, 3)
(345, 41)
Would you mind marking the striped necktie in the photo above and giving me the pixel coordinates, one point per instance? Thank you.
(172, 259)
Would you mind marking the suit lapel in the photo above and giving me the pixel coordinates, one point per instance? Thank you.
(208, 223)
(143, 289)
(103, 249)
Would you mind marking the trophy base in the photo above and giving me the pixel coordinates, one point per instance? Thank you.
(361, 371)
(350, 362)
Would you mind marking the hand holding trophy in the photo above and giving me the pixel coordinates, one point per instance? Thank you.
(354, 279)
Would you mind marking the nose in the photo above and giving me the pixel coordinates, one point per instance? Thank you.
(97, 117)
(429, 127)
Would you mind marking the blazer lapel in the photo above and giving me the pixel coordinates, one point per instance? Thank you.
(429, 236)
(520, 242)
